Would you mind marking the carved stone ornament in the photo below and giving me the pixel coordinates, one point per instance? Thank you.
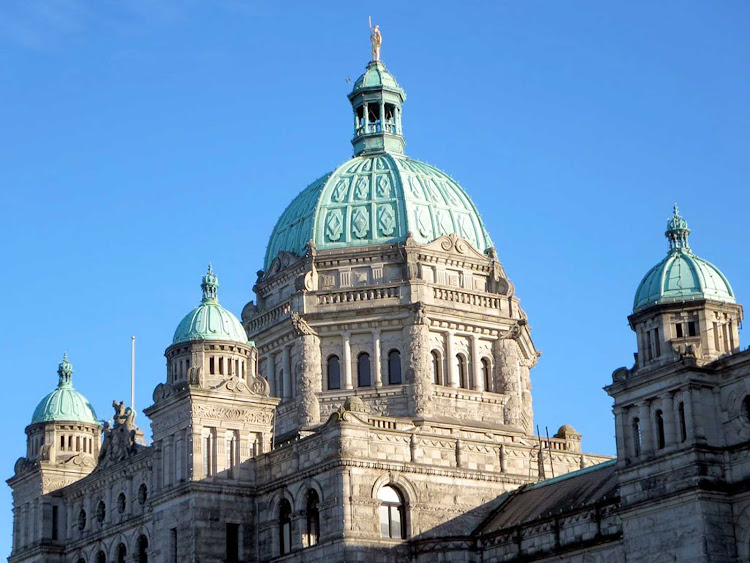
(232, 413)
(420, 313)
(119, 440)
(23, 464)
(80, 460)
(301, 326)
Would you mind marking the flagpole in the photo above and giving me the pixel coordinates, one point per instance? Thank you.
(132, 372)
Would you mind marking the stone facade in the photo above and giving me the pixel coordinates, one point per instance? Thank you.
(382, 408)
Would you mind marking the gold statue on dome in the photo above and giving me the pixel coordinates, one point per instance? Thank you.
(376, 39)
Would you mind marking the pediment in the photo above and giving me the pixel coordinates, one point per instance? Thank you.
(454, 244)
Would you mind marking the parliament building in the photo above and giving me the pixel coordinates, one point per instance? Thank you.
(373, 403)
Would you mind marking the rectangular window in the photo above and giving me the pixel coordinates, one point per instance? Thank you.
(657, 345)
(211, 365)
(233, 543)
(55, 531)
(692, 328)
(221, 366)
(649, 350)
(678, 330)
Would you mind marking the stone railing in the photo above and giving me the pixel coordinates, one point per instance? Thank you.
(269, 317)
(474, 299)
(354, 295)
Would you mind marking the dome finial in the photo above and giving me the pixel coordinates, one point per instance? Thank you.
(210, 285)
(376, 39)
(65, 372)
(677, 232)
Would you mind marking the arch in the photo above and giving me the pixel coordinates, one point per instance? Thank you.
(489, 383)
(141, 548)
(101, 557)
(333, 372)
(463, 371)
(312, 517)
(437, 367)
(364, 372)
(284, 516)
(636, 428)
(394, 367)
(742, 533)
(397, 479)
(121, 554)
(659, 423)
(81, 559)
(392, 512)
(299, 502)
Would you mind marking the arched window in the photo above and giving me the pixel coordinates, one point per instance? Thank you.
(334, 372)
(392, 514)
(437, 373)
(81, 560)
(313, 518)
(659, 419)
(636, 436)
(122, 553)
(394, 367)
(82, 519)
(285, 527)
(461, 359)
(683, 426)
(101, 511)
(363, 370)
(487, 375)
(142, 495)
(142, 549)
(122, 503)
(101, 557)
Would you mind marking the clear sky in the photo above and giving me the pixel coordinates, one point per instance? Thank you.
(141, 139)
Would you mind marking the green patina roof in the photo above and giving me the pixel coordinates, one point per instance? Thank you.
(681, 275)
(376, 76)
(64, 404)
(377, 199)
(380, 195)
(210, 321)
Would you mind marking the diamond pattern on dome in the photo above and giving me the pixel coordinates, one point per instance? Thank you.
(374, 200)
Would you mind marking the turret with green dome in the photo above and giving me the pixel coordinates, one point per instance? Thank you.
(64, 403)
(684, 303)
(209, 320)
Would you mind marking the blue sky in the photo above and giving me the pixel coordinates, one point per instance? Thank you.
(142, 139)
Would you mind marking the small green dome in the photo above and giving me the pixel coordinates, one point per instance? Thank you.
(375, 199)
(376, 77)
(681, 275)
(209, 320)
(64, 404)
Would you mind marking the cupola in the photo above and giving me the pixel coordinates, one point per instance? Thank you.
(64, 403)
(209, 320)
(377, 99)
(684, 305)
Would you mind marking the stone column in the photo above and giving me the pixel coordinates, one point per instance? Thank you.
(620, 433)
(450, 360)
(286, 371)
(196, 470)
(347, 363)
(418, 374)
(508, 361)
(376, 358)
(309, 376)
(476, 364)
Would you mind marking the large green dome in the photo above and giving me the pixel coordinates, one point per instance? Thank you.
(681, 275)
(373, 199)
(64, 404)
(209, 320)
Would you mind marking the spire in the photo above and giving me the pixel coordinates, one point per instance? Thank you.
(677, 232)
(65, 372)
(210, 285)
(377, 99)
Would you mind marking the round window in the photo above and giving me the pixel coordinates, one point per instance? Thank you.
(101, 511)
(121, 503)
(142, 493)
